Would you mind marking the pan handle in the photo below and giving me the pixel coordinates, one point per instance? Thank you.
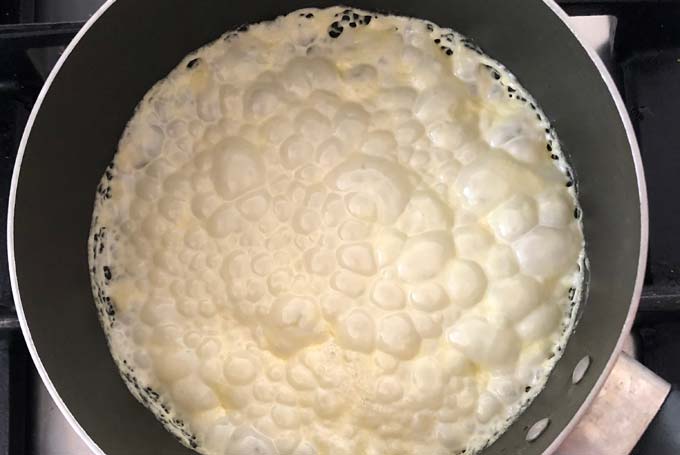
(663, 433)
(623, 409)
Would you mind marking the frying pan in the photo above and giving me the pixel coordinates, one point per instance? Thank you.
(128, 45)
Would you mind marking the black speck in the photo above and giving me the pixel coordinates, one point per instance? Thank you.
(309, 15)
(449, 52)
(430, 27)
(570, 184)
(554, 157)
(243, 28)
(496, 75)
(355, 16)
(107, 272)
(538, 116)
(527, 388)
(510, 95)
(353, 24)
(532, 105)
(437, 41)
(511, 90)
(577, 213)
(193, 63)
(345, 17)
(193, 444)
(367, 19)
(335, 30)
(572, 293)
(549, 147)
(547, 131)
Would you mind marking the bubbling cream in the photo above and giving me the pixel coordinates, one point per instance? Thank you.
(337, 233)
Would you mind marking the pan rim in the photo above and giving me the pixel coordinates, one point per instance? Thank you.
(21, 315)
(554, 445)
(644, 227)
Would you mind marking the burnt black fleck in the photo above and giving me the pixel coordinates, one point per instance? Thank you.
(309, 15)
(449, 52)
(437, 40)
(554, 157)
(577, 213)
(107, 272)
(570, 184)
(353, 24)
(367, 19)
(549, 147)
(193, 63)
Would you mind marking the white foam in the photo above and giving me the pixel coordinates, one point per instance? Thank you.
(310, 245)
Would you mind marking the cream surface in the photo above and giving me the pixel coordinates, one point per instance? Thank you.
(337, 233)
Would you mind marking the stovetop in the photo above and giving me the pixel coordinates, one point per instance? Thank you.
(639, 41)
